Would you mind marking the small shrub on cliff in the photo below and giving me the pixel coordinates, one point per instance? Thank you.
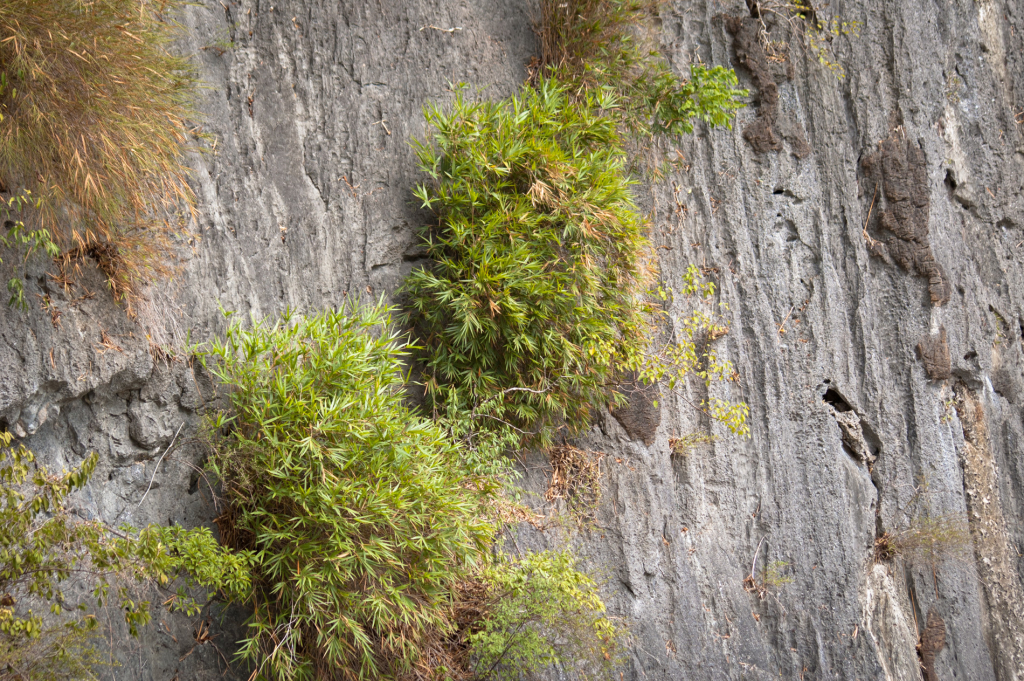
(537, 299)
(544, 611)
(360, 513)
(926, 536)
(928, 539)
(44, 545)
(602, 45)
(92, 123)
(539, 257)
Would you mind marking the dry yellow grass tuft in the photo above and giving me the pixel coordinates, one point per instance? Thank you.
(93, 110)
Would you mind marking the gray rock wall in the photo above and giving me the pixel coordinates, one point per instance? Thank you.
(866, 234)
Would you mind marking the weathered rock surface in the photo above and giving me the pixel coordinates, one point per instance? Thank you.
(305, 201)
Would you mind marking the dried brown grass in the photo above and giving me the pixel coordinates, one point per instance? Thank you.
(929, 540)
(576, 478)
(936, 539)
(93, 110)
(574, 33)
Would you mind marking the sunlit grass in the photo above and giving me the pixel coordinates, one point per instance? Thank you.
(93, 110)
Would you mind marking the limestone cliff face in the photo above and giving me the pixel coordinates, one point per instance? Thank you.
(867, 234)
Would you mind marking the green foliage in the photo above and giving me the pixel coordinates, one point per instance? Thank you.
(43, 545)
(536, 299)
(484, 442)
(769, 581)
(954, 86)
(539, 258)
(60, 652)
(709, 96)
(544, 611)
(366, 521)
(694, 352)
(360, 513)
(92, 122)
(14, 235)
(598, 45)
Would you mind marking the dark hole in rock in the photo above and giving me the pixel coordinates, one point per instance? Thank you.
(779, 191)
(970, 355)
(950, 180)
(833, 397)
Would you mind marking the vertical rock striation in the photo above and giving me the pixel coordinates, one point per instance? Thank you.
(866, 234)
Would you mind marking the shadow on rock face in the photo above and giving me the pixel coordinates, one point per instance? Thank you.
(934, 352)
(640, 417)
(771, 126)
(898, 176)
(932, 641)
